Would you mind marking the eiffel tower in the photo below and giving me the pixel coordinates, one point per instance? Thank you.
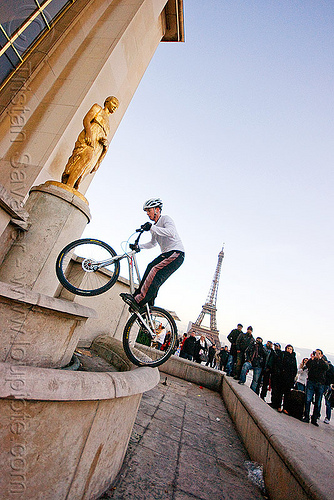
(210, 308)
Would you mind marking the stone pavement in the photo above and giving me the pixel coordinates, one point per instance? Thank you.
(183, 447)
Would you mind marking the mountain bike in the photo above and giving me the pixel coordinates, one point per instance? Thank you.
(90, 267)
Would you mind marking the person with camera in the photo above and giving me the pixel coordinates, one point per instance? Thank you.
(315, 386)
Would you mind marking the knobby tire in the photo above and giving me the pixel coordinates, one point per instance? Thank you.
(72, 275)
(137, 342)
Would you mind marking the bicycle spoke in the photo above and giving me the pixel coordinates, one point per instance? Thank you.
(77, 270)
(138, 344)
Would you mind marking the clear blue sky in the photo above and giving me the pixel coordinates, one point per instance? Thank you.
(234, 131)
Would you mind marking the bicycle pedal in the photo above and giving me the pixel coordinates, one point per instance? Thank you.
(128, 299)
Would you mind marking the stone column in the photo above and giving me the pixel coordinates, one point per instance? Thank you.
(57, 215)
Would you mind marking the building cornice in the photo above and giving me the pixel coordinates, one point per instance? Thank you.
(174, 20)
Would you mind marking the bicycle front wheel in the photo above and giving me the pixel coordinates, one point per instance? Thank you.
(78, 268)
(138, 345)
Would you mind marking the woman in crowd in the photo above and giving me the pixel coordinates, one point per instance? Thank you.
(301, 377)
(201, 348)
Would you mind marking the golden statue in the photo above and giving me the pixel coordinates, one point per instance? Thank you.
(91, 145)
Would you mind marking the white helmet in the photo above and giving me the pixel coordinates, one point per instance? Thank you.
(152, 203)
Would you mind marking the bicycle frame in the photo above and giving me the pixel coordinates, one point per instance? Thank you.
(133, 268)
(132, 265)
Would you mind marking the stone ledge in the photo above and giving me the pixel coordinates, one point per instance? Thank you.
(187, 370)
(293, 454)
(111, 350)
(193, 372)
(20, 294)
(47, 384)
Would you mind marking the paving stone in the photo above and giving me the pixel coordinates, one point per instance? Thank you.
(200, 441)
(199, 475)
(143, 419)
(161, 444)
(147, 465)
(148, 408)
(232, 453)
(238, 492)
(142, 489)
(196, 460)
(171, 431)
(171, 408)
(181, 495)
(169, 418)
(175, 400)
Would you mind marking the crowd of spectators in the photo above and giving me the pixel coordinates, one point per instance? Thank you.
(197, 349)
(290, 386)
(293, 388)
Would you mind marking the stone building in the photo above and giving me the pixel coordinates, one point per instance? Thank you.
(56, 60)
(59, 59)
(64, 434)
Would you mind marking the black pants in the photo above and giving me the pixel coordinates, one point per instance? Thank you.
(265, 383)
(156, 274)
(238, 365)
(210, 362)
(276, 391)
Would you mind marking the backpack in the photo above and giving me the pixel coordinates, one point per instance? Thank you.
(330, 375)
(330, 397)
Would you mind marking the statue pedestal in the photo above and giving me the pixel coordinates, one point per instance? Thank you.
(57, 215)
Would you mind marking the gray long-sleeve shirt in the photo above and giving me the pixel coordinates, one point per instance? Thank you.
(165, 235)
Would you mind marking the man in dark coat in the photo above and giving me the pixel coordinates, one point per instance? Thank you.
(316, 380)
(243, 341)
(223, 357)
(187, 351)
(254, 360)
(266, 372)
(200, 349)
(288, 374)
(276, 371)
(232, 337)
(211, 356)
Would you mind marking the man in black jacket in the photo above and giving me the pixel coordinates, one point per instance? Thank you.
(266, 372)
(232, 337)
(243, 341)
(276, 372)
(317, 368)
(188, 348)
(211, 356)
(254, 360)
(223, 357)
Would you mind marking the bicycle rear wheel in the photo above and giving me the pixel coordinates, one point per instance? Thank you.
(137, 341)
(77, 268)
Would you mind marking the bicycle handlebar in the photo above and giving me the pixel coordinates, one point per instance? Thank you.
(140, 231)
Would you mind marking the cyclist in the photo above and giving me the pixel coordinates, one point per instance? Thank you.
(163, 233)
